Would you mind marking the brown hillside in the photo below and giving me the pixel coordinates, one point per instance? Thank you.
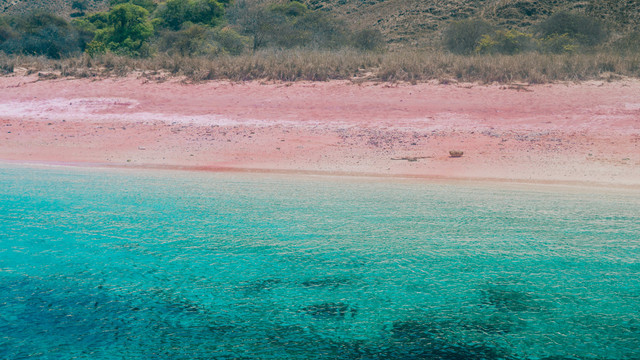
(419, 22)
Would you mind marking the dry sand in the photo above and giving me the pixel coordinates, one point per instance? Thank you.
(573, 133)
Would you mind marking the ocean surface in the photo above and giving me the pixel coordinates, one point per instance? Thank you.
(124, 264)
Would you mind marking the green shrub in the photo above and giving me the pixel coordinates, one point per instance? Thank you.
(230, 41)
(189, 41)
(197, 40)
(462, 37)
(557, 44)
(50, 41)
(95, 47)
(505, 42)
(6, 31)
(7, 64)
(368, 40)
(35, 21)
(628, 44)
(40, 34)
(291, 9)
(586, 30)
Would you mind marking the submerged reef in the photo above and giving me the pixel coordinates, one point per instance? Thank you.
(334, 310)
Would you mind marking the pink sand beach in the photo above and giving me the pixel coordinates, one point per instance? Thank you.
(558, 133)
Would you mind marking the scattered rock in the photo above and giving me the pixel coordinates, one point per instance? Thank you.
(456, 153)
(47, 76)
(21, 71)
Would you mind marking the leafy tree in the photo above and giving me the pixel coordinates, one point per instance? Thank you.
(318, 29)
(287, 25)
(88, 26)
(128, 28)
(462, 37)
(174, 13)
(208, 12)
(80, 5)
(92, 23)
(149, 5)
(254, 19)
(130, 22)
(295, 26)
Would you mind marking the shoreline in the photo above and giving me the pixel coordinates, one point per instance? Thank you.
(585, 133)
(600, 187)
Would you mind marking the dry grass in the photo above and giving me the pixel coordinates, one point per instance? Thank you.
(293, 65)
(531, 68)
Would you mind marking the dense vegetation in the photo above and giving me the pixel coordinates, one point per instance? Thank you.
(173, 35)
(140, 28)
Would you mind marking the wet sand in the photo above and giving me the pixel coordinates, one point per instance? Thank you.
(560, 133)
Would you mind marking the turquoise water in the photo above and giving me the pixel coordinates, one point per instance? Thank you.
(118, 264)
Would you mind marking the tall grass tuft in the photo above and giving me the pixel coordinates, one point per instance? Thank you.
(322, 65)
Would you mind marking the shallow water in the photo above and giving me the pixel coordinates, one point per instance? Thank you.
(118, 264)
